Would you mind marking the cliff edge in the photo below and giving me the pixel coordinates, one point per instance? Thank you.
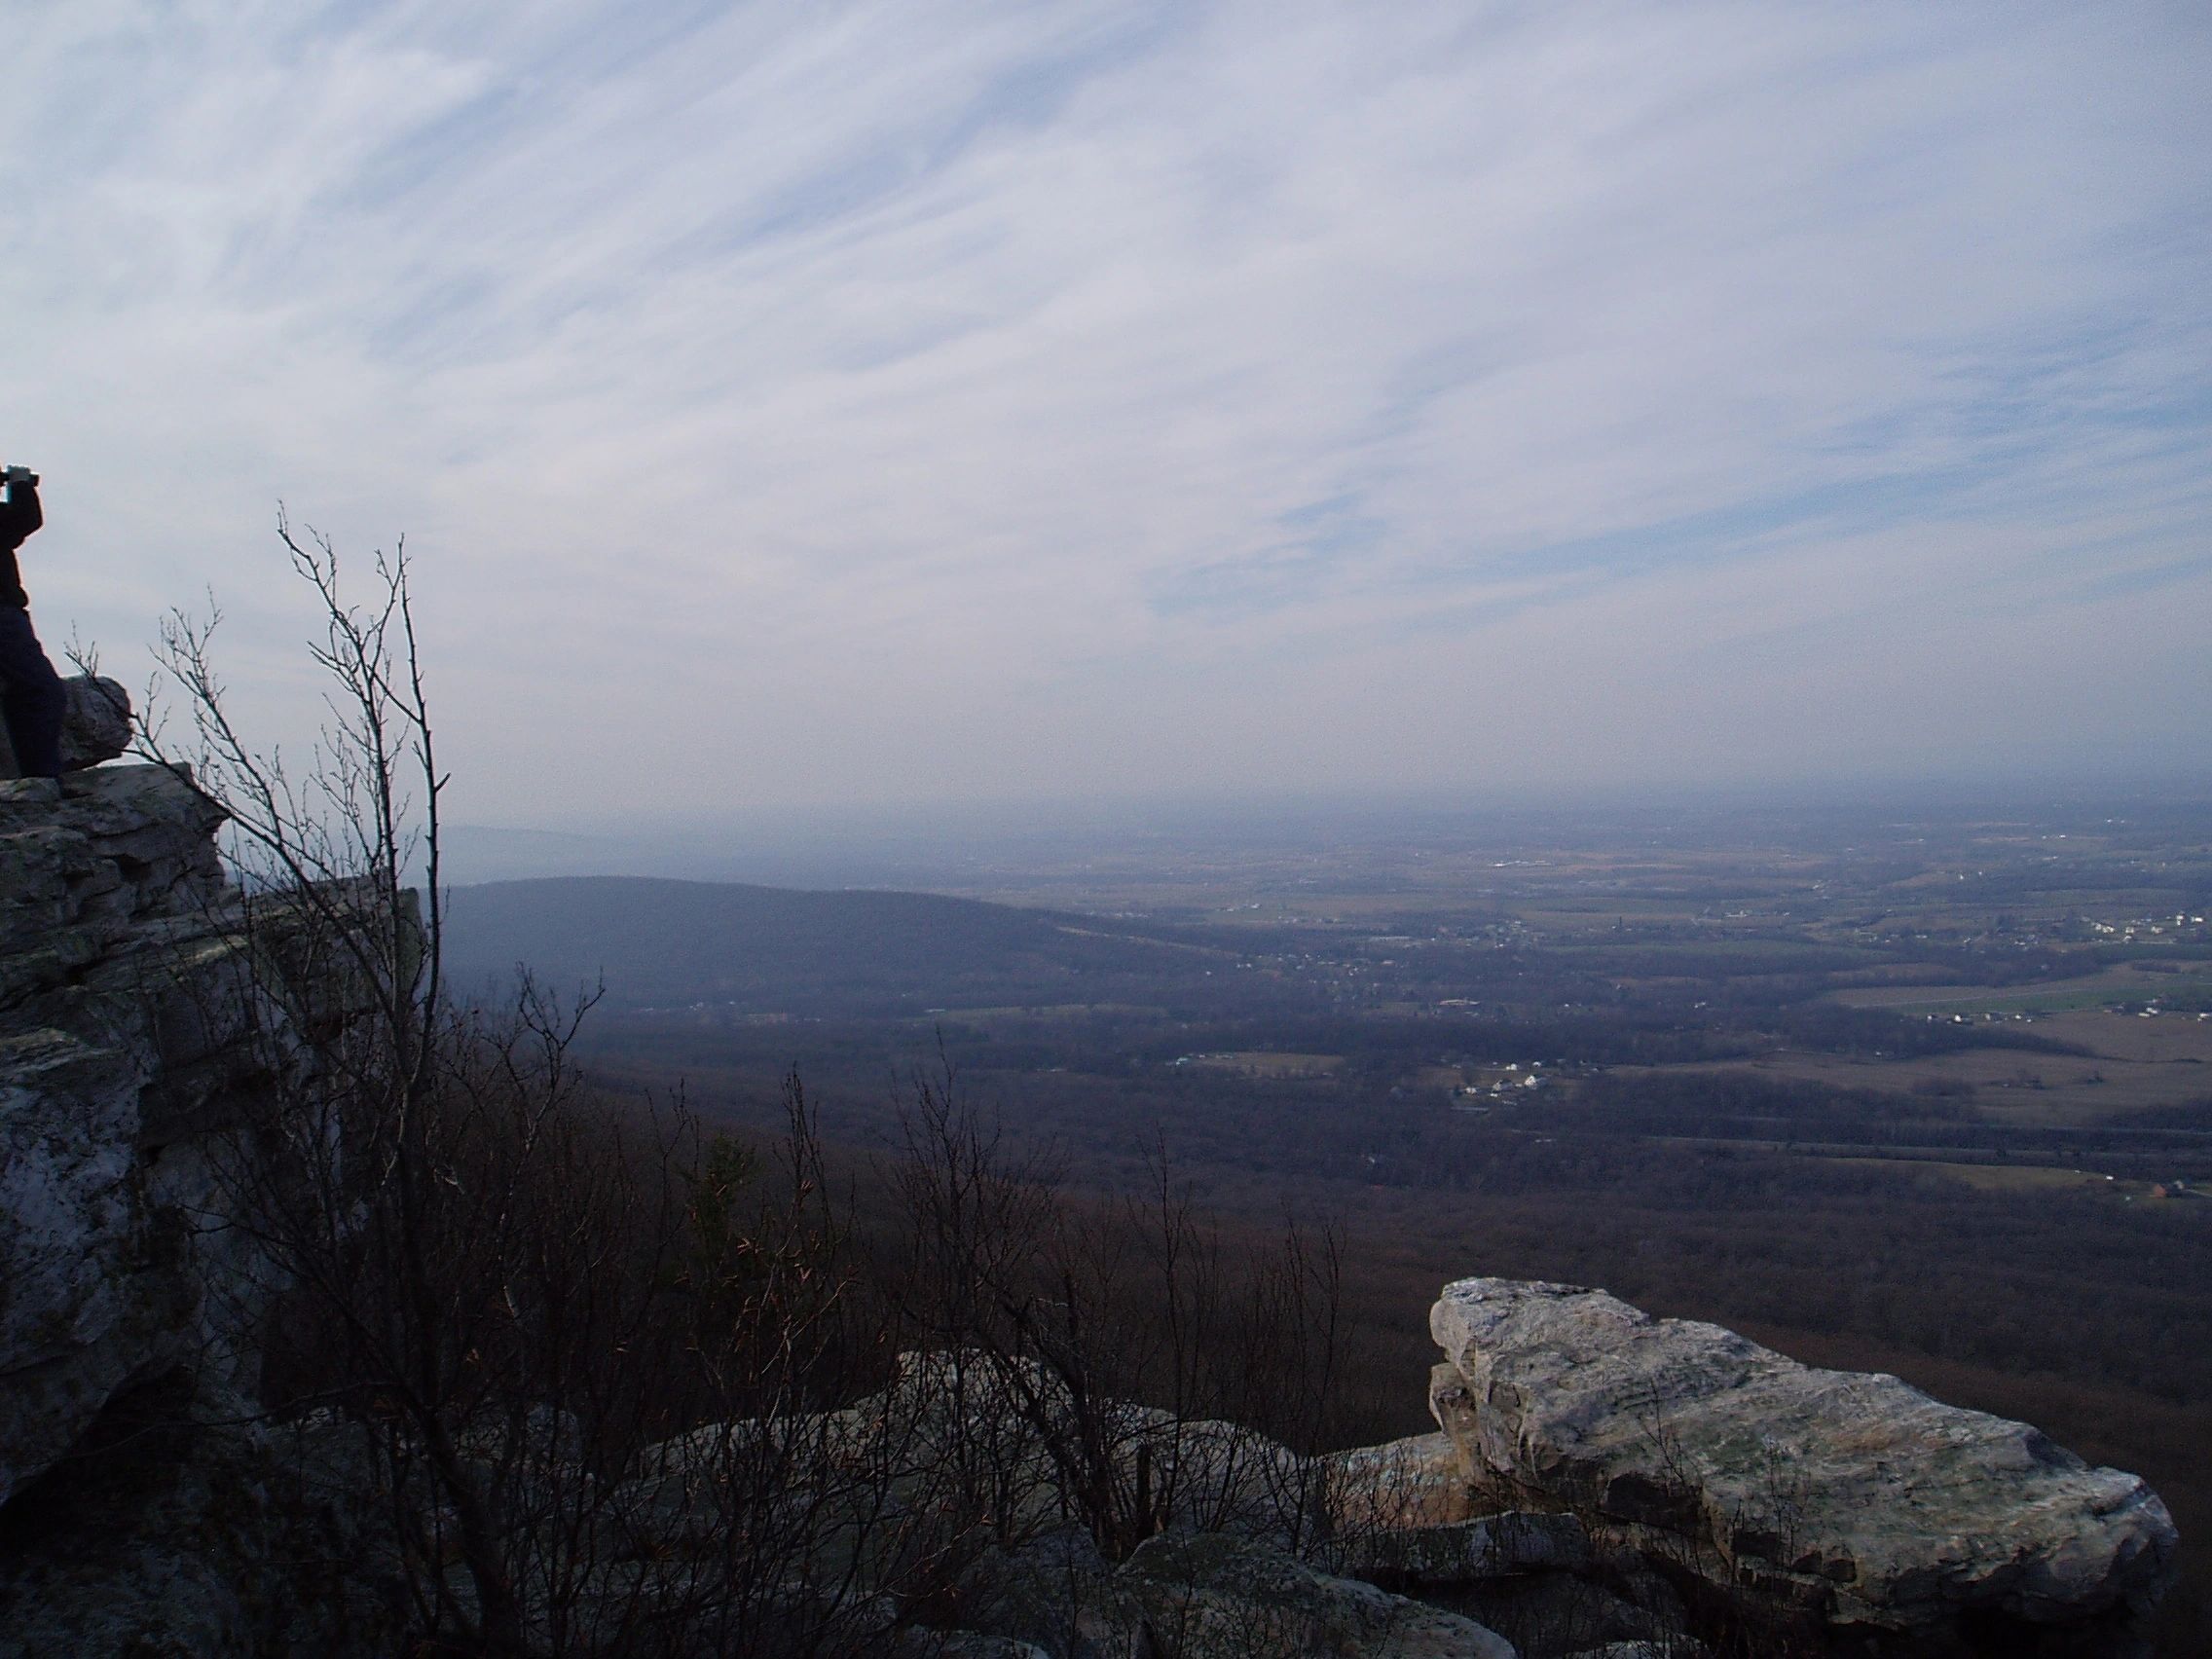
(139, 1502)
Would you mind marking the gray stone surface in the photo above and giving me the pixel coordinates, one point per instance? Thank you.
(132, 1046)
(105, 878)
(1852, 1496)
(1213, 1596)
(1468, 1552)
(85, 860)
(89, 1295)
(97, 724)
(1420, 1481)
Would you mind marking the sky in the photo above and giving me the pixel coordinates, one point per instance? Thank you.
(794, 406)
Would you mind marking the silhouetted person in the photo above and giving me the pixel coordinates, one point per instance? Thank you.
(30, 692)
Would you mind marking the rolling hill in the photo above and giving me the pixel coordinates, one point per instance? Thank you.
(675, 943)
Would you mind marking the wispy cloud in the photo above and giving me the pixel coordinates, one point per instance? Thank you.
(863, 399)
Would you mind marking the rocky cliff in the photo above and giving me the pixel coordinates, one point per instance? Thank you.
(137, 1499)
(109, 948)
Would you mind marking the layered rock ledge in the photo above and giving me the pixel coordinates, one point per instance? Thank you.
(1851, 1499)
(108, 958)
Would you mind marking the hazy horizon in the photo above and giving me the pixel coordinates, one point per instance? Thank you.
(942, 843)
(803, 412)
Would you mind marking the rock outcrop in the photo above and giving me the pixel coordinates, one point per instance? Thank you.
(141, 1510)
(1850, 1500)
(95, 726)
(108, 961)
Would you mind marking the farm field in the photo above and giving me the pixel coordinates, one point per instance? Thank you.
(2129, 988)
(2036, 1182)
(1267, 1063)
(2127, 1064)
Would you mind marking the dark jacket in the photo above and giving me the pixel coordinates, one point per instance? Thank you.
(19, 515)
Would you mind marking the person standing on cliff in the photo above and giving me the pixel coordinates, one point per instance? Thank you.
(30, 692)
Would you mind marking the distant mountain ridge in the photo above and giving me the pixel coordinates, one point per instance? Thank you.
(666, 942)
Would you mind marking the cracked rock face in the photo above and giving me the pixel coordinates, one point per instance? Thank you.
(139, 1047)
(80, 1313)
(1850, 1498)
(109, 890)
(95, 727)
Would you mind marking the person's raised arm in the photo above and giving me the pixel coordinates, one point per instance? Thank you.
(19, 511)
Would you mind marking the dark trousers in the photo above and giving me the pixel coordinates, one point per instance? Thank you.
(30, 696)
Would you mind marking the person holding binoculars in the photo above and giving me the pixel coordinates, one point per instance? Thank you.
(30, 692)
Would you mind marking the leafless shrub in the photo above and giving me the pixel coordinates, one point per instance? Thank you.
(1112, 1364)
(622, 1387)
(517, 1309)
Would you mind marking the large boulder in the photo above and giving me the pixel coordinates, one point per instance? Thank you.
(95, 726)
(1852, 1500)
